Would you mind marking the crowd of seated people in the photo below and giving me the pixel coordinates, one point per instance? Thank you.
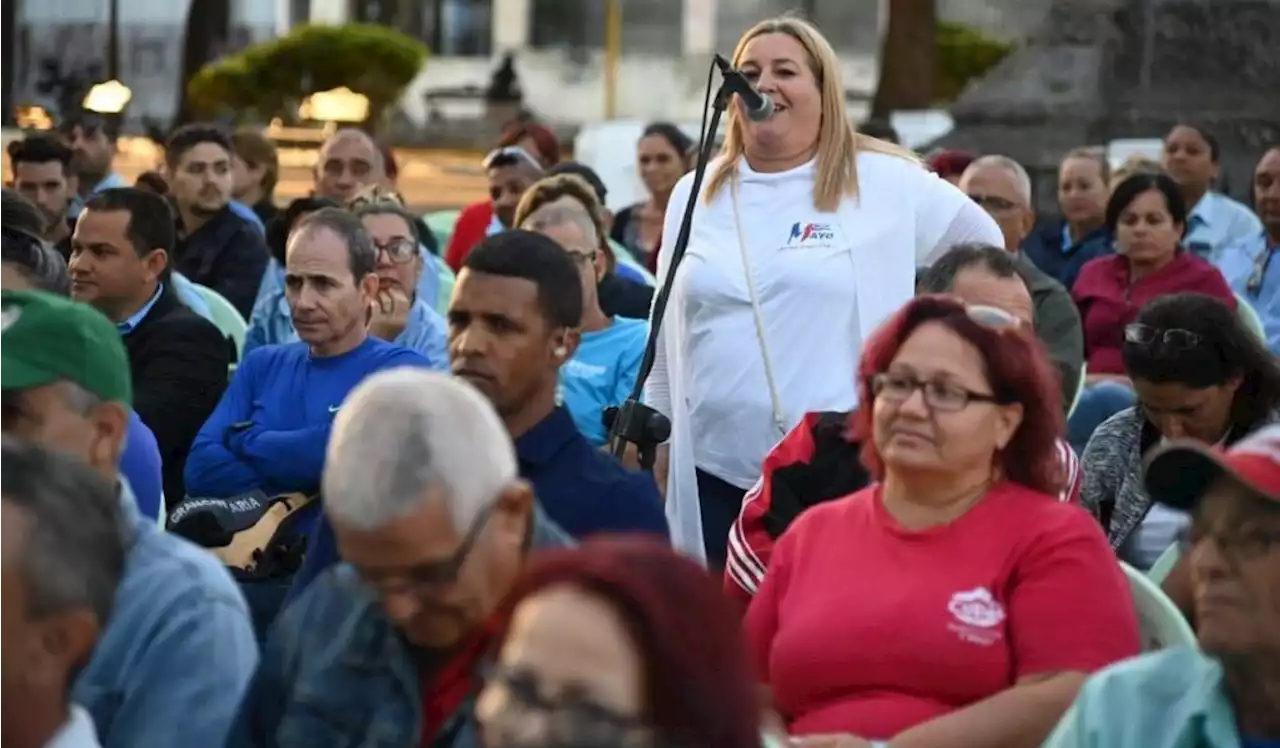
(384, 506)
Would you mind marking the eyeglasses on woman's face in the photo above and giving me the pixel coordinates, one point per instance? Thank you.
(398, 249)
(524, 715)
(940, 396)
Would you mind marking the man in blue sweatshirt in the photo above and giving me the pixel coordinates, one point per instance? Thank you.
(270, 429)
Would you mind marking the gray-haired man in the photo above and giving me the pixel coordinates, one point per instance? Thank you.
(64, 553)
(433, 524)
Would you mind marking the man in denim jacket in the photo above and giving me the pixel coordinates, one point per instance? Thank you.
(433, 525)
(171, 665)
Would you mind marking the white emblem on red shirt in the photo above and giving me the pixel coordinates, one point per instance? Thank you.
(977, 614)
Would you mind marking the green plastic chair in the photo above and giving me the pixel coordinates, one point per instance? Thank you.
(1159, 571)
(1159, 620)
(1250, 317)
(1084, 374)
(226, 318)
(441, 223)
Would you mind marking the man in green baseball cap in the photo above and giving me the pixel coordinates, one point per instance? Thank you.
(65, 384)
(64, 377)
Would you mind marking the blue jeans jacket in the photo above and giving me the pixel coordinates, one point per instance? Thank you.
(173, 662)
(335, 673)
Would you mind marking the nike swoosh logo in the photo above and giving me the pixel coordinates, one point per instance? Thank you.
(334, 408)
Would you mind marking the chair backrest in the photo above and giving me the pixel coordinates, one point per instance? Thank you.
(1159, 571)
(1250, 317)
(225, 317)
(1159, 620)
(441, 223)
(1084, 374)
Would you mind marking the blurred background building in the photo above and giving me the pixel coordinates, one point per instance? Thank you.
(559, 45)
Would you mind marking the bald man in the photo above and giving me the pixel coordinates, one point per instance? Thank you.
(349, 160)
(1001, 186)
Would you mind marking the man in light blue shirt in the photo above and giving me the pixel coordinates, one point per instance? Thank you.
(1247, 264)
(1192, 158)
(1227, 694)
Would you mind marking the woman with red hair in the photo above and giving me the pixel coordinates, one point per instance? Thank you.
(955, 602)
(619, 642)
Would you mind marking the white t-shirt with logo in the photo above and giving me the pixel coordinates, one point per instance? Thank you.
(804, 263)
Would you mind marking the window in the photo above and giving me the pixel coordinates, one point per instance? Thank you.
(652, 27)
(448, 27)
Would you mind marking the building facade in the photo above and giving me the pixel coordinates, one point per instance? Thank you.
(665, 50)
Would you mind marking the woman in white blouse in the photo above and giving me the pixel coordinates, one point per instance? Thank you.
(806, 237)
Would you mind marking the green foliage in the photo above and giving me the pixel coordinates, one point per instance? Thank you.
(963, 55)
(269, 79)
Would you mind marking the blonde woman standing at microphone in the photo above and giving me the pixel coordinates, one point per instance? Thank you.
(805, 238)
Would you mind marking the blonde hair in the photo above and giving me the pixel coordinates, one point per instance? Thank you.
(838, 141)
(1092, 153)
(1135, 164)
(550, 189)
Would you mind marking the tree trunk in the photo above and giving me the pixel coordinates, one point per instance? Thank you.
(9, 45)
(208, 28)
(908, 58)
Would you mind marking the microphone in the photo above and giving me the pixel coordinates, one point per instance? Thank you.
(758, 106)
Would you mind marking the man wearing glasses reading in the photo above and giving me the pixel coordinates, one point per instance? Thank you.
(420, 487)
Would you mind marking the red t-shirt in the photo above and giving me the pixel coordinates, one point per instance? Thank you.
(864, 627)
(1108, 301)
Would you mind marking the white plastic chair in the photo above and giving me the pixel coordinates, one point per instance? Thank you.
(1250, 317)
(1159, 571)
(226, 317)
(1159, 620)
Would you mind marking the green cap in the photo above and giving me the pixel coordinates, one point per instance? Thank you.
(48, 338)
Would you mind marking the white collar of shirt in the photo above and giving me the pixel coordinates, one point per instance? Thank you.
(495, 226)
(76, 732)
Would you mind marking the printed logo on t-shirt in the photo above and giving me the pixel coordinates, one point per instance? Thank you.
(978, 616)
(806, 235)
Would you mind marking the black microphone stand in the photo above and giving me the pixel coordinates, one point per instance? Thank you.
(633, 422)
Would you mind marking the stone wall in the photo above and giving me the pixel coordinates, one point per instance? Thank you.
(1099, 70)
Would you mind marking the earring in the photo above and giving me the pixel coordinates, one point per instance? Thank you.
(560, 351)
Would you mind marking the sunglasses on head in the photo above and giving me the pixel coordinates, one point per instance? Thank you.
(990, 316)
(511, 152)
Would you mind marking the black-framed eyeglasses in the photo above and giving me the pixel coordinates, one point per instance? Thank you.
(582, 258)
(939, 396)
(1173, 339)
(993, 202)
(430, 578)
(399, 250)
(568, 716)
